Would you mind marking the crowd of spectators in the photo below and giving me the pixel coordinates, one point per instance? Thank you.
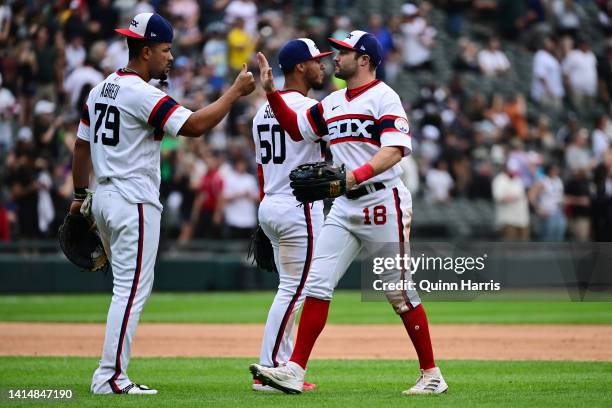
(546, 178)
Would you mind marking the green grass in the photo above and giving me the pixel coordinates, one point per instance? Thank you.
(252, 307)
(225, 382)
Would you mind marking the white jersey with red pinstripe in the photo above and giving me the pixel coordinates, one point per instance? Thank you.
(291, 228)
(358, 126)
(275, 151)
(124, 120)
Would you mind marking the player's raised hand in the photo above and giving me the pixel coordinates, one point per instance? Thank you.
(245, 83)
(265, 72)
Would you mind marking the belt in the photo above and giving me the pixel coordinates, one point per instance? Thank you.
(363, 190)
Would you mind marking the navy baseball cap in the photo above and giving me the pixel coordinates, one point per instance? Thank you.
(298, 51)
(149, 26)
(363, 43)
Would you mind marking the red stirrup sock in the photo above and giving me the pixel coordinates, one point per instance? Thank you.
(312, 322)
(415, 322)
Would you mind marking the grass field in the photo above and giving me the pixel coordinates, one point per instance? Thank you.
(196, 382)
(225, 383)
(252, 307)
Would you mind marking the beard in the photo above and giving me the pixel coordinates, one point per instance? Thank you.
(345, 73)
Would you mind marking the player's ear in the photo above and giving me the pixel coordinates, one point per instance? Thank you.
(300, 67)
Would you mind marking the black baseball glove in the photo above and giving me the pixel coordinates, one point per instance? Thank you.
(81, 243)
(260, 249)
(317, 181)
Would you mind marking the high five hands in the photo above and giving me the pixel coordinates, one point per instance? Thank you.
(265, 72)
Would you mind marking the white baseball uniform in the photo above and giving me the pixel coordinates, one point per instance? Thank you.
(291, 227)
(358, 126)
(124, 121)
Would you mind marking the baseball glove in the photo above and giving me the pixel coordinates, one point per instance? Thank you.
(317, 181)
(260, 249)
(80, 242)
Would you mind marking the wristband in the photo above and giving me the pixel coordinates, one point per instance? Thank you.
(80, 194)
(363, 173)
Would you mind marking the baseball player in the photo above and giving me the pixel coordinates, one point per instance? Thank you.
(368, 132)
(291, 228)
(120, 133)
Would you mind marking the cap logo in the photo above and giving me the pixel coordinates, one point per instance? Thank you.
(363, 48)
(134, 23)
(349, 35)
(153, 35)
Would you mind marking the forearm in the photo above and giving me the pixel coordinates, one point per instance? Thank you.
(81, 163)
(382, 161)
(208, 117)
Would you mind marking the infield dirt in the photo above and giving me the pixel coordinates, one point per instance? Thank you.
(451, 341)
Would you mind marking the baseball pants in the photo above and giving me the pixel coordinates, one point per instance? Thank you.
(130, 234)
(292, 229)
(371, 223)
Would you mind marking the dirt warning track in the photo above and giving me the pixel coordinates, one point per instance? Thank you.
(451, 341)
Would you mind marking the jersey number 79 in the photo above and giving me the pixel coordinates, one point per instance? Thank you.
(109, 114)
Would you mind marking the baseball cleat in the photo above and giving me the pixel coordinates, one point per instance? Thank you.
(138, 389)
(258, 386)
(429, 382)
(288, 378)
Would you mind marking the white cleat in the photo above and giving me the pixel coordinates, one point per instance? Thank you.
(138, 389)
(288, 378)
(430, 382)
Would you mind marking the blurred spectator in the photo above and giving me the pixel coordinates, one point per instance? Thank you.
(5, 22)
(8, 109)
(467, 59)
(577, 154)
(245, 10)
(104, 18)
(46, 129)
(605, 15)
(384, 36)
(567, 15)
(602, 200)
(601, 137)
(186, 13)
(455, 10)
(547, 83)
(207, 214)
(496, 114)
(511, 205)
(240, 45)
(580, 67)
(240, 198)
(83, 76)
(604, 75)
(439, 182)
(516, 110)
(75, 54)
(491, 60)
(511, 17)
(418, 38)
(578, 200)
(546, 196)
(215, 55)
(22, 179)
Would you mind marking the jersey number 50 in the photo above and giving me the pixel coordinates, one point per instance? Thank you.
(109, 114)
(273, 149)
